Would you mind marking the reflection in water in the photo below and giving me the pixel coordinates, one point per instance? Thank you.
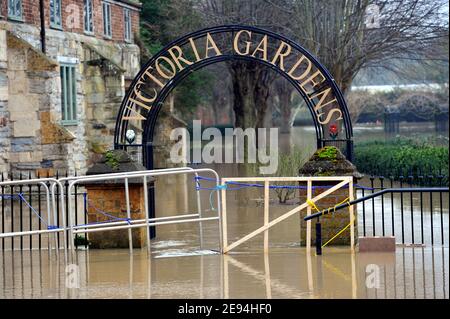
(283, 273)
(287, 271)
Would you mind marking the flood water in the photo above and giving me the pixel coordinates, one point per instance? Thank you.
(283, 273)
(179, 267)
(184, 264)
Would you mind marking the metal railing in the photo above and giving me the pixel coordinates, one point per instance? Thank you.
(415, 215)
(65, 180)
(51, 215)
(147, 222)
(409, 213)
(60, 195)
(392, 191)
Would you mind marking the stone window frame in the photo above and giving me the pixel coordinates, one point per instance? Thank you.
(88, 22)
(107, 22)
(127, 25)
(14, 16)
(68, 83)
(53, 24)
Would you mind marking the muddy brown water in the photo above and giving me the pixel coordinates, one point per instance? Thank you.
(180, 268)
(283, 273)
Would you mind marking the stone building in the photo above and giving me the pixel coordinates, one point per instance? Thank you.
(64, 68)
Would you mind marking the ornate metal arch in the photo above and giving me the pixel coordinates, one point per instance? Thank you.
(143, 108)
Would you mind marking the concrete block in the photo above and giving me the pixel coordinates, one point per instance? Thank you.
(3, 47)
(36, 85)
(21, 103)
(376, 244)
(26, 128)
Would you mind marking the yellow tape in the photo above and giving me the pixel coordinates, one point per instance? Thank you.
(333, 209)
(312, 204)
(329, 209)
(340, 232)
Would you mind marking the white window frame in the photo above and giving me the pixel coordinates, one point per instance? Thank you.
(68, 74)
(14, 14)
(107, 23)
(88, 16)
(127, 25)
(56, 18)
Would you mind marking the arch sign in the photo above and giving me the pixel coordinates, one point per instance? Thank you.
(166, 69)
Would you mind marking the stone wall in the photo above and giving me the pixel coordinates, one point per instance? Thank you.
(32, 81)
(104, 92)
(32, 136)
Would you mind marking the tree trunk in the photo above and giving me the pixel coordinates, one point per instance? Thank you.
(251, 89)
(286, 111)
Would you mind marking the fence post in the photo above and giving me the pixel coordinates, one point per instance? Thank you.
(318, 237)
(352, 214)
(308, 212)
(266, 216)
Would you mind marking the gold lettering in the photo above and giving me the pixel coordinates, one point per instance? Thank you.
(179, 57)
(311, 80)
(247, 45)
(141, 104)
(329, 115)
(160, 70)
(138, 116)
(263, 43)
(194, 49)
(210, 44)
(137, 92)
(323, 94)
(153, 78)
(281, 55)
(301, 76)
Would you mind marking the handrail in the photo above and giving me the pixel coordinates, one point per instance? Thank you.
(73, 229)
(376, 194)
(50, 196)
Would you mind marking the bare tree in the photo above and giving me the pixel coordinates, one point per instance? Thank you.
(285, 108)
(338, 32)
(250, 80)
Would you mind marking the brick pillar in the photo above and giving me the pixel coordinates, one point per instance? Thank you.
(328, 161)
(109, 197)
(331, 223)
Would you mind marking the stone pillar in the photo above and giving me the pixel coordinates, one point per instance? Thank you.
(328, 161)
(109, 197)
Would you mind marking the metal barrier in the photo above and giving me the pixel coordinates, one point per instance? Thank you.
(51, 184)
(66, 180)
(147, 222)
(51, 229)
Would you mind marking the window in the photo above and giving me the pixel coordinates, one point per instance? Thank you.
(127, 23)
(55, 13)
(107, 20)
(15, 9)
(88, 17)
(68, 94)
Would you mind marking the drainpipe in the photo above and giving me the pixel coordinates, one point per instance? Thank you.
(42, 13)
